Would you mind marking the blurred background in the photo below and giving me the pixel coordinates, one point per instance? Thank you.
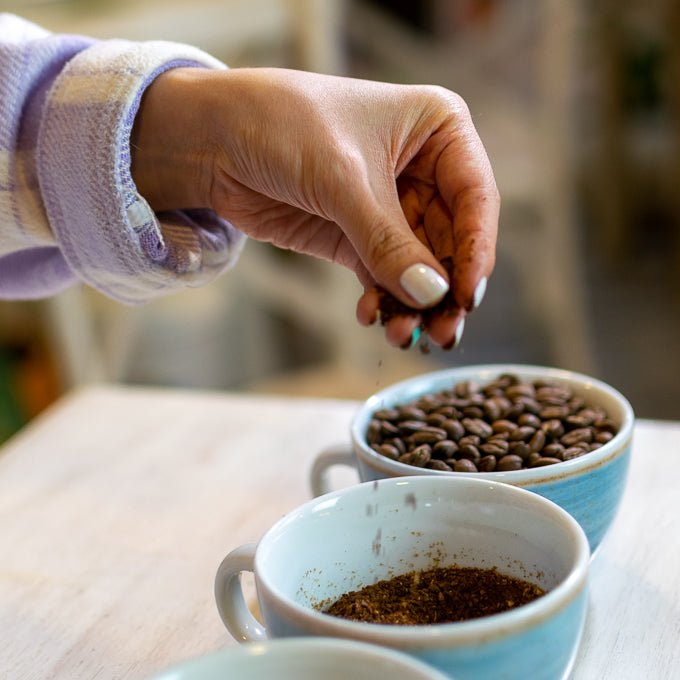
(578, 104)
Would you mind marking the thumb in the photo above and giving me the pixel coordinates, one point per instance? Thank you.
(394, 256)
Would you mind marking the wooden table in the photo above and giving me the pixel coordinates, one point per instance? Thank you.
(118, 504)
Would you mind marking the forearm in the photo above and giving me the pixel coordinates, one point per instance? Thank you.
(71, 202)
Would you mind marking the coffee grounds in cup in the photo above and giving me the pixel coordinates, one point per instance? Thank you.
(438, 595)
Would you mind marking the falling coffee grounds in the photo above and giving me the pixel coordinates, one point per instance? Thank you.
(438, 595)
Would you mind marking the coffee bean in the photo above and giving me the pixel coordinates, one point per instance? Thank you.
(513, 412)
(582, 434)
(428, 435)
(436, 464)
(498, 447)
(444, 449)
(388, 429)
(582, 418)
(419, 457)
(398, 444)
(473, 412)
(537, 441)
(522, 434)
(389, 451)
(374, 431)
(545, 460)
(454, 429)
(469, 452)
(386, 414)
(487, 463)
(606, 425)
(603, 437)
(509, 462)
(520, 449)
(531, 460)
(435, 419)
(529, 419)
(573, 452)
(554, 450)
(553, 428)
(464, 465)
(520, 390)
(411, 413)
(478, 427)
(505, 425)
(470, 440)
(554, 411)
(406, 427)
(553, 394)
(529, 405)
(492, 409)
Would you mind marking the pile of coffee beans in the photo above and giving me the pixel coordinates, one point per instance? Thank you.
(507, 424)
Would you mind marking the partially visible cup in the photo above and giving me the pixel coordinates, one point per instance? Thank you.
(590, 487)
(303, 659)
(372, 531)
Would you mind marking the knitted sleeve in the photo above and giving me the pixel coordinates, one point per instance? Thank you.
(69, 210)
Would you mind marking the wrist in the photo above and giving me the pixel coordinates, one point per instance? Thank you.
(169, 162)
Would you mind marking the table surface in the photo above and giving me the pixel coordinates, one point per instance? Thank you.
(118, 504)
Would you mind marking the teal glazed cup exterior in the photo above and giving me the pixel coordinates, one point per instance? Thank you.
(303, 659)
(590, 488)
(367, 532)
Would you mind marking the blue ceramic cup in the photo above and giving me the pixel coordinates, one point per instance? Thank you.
(590, 487)
(371, 531)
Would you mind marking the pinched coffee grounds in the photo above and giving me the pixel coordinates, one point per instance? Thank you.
(504, 425)
(438, 595)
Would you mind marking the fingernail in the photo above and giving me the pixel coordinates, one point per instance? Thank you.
(478, 295)
(413, 340)
(424, 284)
(457, 337)
(459, 332)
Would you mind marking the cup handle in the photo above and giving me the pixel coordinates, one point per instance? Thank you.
(330, 457)
(231, 603)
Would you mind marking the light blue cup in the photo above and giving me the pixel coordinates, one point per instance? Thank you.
(366, 532)
(590, 487)
(303, 659)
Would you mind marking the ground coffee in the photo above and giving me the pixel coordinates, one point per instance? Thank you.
(504, 425)
(438, 595)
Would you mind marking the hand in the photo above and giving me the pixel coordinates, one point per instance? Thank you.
(373, 176)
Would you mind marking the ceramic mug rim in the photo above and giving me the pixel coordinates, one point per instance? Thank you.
(196, 667)
(443, 635)
(417, 386)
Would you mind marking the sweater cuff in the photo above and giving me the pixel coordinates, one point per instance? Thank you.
(106, 231)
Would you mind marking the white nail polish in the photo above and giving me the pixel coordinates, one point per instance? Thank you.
(459, 332)
(479, 293)
(424, 284)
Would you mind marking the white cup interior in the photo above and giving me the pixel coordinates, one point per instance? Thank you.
(376, 530)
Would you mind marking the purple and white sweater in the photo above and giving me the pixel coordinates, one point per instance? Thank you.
(69, 210)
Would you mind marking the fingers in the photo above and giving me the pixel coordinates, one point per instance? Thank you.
(468, 188)
(404, 330)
